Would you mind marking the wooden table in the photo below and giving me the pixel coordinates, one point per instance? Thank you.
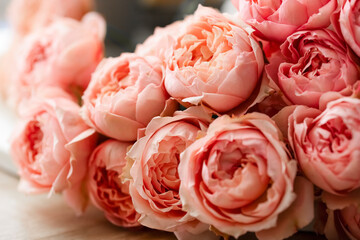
(37, 217)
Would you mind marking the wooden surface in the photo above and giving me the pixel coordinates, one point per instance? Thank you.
(37, 217)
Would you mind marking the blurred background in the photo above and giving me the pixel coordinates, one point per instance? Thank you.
(131, 21)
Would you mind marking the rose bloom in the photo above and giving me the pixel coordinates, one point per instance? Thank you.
(124, 94)
(343, 224)
(63, 55)
(275, 20)
(311, 65)
(214, 61)
(104, 184)
(26, 16)
(346, 23)
(326, 144)
(154, 179)
(51, 147)
(239, 178)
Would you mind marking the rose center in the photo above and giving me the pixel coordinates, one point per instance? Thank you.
(336, 135)
(35, 136)
(109, 188)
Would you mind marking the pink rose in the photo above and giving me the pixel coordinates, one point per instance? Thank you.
(275, 20)
(104, 184)
(51, 147)
(214, 61)
(326, 145)
(63, 55)
(343, 224)
(347, 24)
(311, 66)
(154, 177)
(239, 178)
(124, 94)
(26, 16)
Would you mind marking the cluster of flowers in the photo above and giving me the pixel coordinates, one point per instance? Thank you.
(215, 125)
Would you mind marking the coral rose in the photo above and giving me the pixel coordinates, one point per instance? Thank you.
(239, 178)
(155, 182)
(51, 147)
(326, 144)
(214, 61)
(124, 94)
(311, 66)
(26, 16)
(63, 55)
(104, 184)
(275, 20)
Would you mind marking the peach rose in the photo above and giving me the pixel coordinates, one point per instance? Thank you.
(214, 61)
(343, 224)
(275, 20)
(26, 16)
(311, 66)
(124, 94)
(51, 147)
(346, 22)
(154, 179)
(326, 144)
(239, 178)
(63, 55)
(104, 184)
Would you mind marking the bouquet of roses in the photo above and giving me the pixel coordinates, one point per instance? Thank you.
(217, 125)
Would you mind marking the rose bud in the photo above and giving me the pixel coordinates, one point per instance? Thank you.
(26, 16)
(124, 94)
(214, 62)
(154, 179)
(51, 147)
(62, 55)
(239, 178)
(312, 66)
(275, 20)
(326, 145)
(104, 184)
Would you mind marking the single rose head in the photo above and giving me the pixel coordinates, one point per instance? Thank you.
(63, 55)
(214, 62)
(51, 147)
(275, 20)
(312, 65)
(105, 188)
(326, 144)
(239, 177)
(154, 181)
(124, 94)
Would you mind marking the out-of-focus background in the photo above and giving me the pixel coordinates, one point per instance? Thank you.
(130, 21)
